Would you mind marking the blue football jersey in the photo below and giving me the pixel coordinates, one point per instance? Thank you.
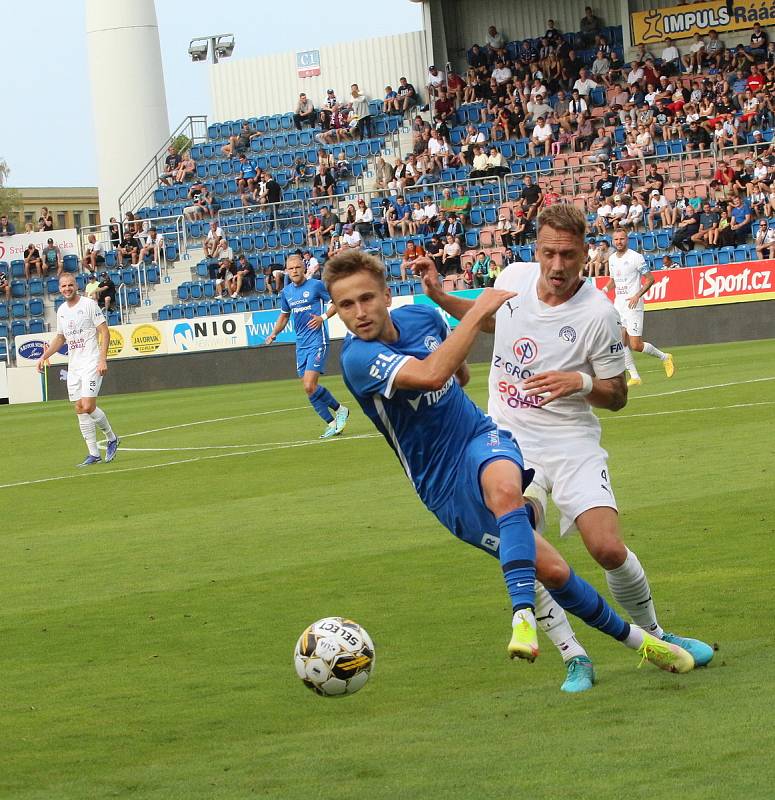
(427, 430)
(302, 302)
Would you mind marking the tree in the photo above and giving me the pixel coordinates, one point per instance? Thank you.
(10, 199)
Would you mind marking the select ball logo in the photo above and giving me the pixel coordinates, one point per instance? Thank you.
(525, 351)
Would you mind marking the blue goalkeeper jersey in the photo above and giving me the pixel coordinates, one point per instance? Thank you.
(302, 302)
(428, 431)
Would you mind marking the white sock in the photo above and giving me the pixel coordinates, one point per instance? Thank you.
(650, 350)
(553, 621)
(635, 637)
(101, 421)
(629, 363)
(630, 588)
(89, 433)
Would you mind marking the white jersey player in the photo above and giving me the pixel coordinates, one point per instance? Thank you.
(81, 324)
(628, 271)
(558, 351)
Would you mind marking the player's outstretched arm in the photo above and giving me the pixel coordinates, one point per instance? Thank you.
(52, 348)
(608, 393)
(458, 307)
(431, 373)
(279, 326)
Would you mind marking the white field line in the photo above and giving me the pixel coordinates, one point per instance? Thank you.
(95, 472)
(700, 388)
(617, 417)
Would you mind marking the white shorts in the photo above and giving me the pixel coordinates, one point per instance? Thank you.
(631, 319)
(577, 478)
(83, 383)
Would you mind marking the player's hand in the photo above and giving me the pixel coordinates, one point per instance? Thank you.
(425, 269)
(269, 339)
(551, 385)
(315, 322)
(632, 302)
(490, 300)
(102, 367)
(41, 365)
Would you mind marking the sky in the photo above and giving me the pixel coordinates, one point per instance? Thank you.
(49, 139)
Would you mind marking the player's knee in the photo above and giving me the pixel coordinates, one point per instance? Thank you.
(552, 571)
(609, 551)
(310, 387)
(502, 496)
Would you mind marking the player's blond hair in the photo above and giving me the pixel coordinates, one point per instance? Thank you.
(564, 217)
(350, 262)
(293, 257)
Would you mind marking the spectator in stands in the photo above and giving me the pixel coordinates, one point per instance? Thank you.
(364, 219)
(724, 173)
(496, 43)
(542, 137)
(407, 96)
(479, 269)
(312, 267)
(478, 58)
(497, 165)
(6, 228)
(708, 230)
(404, 175)
(671, 58)
(600, 149)
(154, 244)
(473, 137)
(323, 183)
(493, 272)
(450, 259)
(765, 240)
(243, 277)
(433, 249)
(697, 138)
(741, 217)
(659, 206)
(635, 75)
(411, 253)
(329, 222)
(304, 113)
(241, 142)
(171, 164)
(327, 108)
(589, 27)
(597, 261)
(654, 178)
(273, 192)
(52, 258)
(461, 204)
(222, 273)
(45, 220)
(114, 231)
(668, 263)
(314, 227)
(601, 66)
(106, 292)
(338, 126)
(585, 83)
(402, 217)
(584, 135)
(635, 214)
(693, 60)
(759, 43)
(530, 197)
(129, 248)
(450, 226)
(619, 211)
(247, 177)
(359, 109)
(186, 169)
(603, 218)
(434, 82)
(479, 166)
(197, 208)
(714, 49)
(32, 260)
(685, 230)
(215, 241)
(93, 254)
(383, 173)
(455, 87)
(389, 100)
(91, 290)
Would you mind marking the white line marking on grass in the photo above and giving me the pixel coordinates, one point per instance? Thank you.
(215, 419)
(96, 472)
(686, 411)
(700, 388)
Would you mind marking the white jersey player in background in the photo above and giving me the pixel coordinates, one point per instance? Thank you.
(558, 351)
(627, 270)
(81, 323)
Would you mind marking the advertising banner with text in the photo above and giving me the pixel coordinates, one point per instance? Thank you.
(683, 21)
(13, 247)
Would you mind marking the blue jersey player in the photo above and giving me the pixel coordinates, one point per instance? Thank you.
(405, 369)
(306, 301)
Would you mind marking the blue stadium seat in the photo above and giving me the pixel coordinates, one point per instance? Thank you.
(164, 314)
(70, 263)
(35, 287)
(18, 327)
(5, 311)
(35, 307)
(19, 288)
(17, 268)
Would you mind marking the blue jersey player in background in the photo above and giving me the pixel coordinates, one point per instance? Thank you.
(306, 301)
(406, 371)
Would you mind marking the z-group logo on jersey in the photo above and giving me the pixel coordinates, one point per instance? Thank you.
(568, 334)
(525, 350)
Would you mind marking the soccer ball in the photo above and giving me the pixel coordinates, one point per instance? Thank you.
(334, 656)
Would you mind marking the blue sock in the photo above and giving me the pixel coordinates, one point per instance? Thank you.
(518, 557)
(583, 600)
(328, 398)
(320, 405)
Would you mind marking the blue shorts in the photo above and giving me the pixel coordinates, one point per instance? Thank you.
(311, 359)
(464, 513)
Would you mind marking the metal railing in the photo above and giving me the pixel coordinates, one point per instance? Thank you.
(6, 356)
(141, 188)
(124, 310)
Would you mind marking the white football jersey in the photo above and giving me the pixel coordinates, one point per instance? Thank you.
(78, 324)
(580, 335)
(626, 270)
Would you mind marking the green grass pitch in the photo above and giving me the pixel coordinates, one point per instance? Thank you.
(150, 607)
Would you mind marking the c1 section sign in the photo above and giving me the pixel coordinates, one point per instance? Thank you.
(308, 63)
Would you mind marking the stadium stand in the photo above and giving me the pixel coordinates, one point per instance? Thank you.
(641, 145)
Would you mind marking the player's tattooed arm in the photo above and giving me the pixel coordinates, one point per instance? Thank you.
(608, 393)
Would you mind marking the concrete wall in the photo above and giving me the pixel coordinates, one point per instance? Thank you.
(671, 328)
